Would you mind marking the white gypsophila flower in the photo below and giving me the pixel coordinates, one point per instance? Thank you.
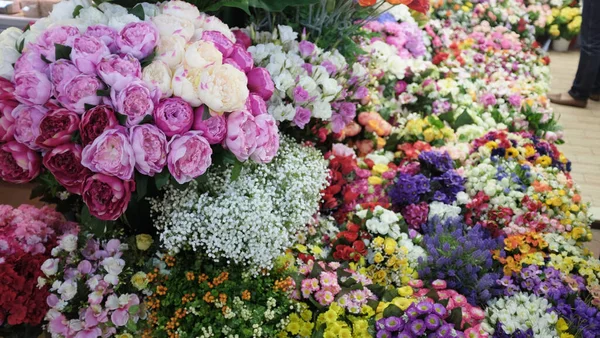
(251, 220)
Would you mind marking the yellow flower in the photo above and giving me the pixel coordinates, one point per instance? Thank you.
(345, 333)
(378, 258)
(403, 303)
(544, 161)
(139, 280)
(405, 291)
(554, 31)
(429, 135)
(374, 180)
(360, 325)
(562, 325)
(306, 315)
(378, 241)
(578, 232)
(566, 335)
(143, 241)
(512, 152)
(389, 246)
(293, 327)
(491, 145)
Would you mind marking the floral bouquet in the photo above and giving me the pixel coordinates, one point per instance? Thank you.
(564, 22)
(520, 315)
(523, 249)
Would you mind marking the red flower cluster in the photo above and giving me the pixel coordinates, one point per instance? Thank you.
(440, 57)
(349, 245)
(340, 167)
(411, 151)
(476, 208)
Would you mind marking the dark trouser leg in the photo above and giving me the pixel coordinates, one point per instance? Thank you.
(589, 58)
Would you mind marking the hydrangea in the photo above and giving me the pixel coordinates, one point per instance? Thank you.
(250, 220)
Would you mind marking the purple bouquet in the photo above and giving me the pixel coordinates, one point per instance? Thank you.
(420, 319)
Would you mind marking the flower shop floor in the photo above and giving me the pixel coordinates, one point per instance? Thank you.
(582, 136)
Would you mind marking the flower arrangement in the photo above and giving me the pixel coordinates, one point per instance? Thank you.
(520, 312)
(393, 261)
(564, 22)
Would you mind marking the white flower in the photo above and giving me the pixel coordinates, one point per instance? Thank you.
(321, 110)
(64, 9)
(50, 266)
(171, 50)
(69, 243)
(8, 56)
(169, 25)
(223, 88)
(113, 266)
(287, 34)
(330, 88)
(92, 16)
(159, 75)
(118, 22)
(211, 23)
(201, 54)
(180, 9)
(184, 85)
(150, 10)
(10, 36)
(41, 282)
(67, 290)
(112, 10)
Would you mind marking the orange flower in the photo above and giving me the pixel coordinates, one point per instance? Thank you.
(366, 3)
(399, 2)
(541, 187)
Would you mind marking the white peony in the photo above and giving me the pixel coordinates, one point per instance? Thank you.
(64, 9)
(180, 9)
(118, 22)
(92, 16)
(171, 50)
(10, 36)
(8, 56)
(201, 54)
(150, 10)
(159, 74)
(50, 266)
(169, 25)
(206, 22)
(185, 82)
(321, 110)
(69, 243)
(223, 88)
(111, 10)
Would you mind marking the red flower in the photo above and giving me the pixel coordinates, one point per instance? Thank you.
(439, 58)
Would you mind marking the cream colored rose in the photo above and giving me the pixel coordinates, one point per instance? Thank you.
(139, 280)
(169, 25)
(185, 82)
(159, 74)
(223, 88)
(200, 54)
(143, 241)
(180, 9)
(171, 50)
(211, 23)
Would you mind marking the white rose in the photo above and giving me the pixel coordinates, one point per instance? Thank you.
(321, 110)
(111, 10)
(113, 266)
(206, 22)
(169, 25)
(287, 34)
(223, 88)
(69, 243)
(159, 75)
(171, 50)
(67, 290)
(185, 82)
(118, 22)
(200, 54)
(180, 9)
(389, 217)
(92, 16)
(50, 266)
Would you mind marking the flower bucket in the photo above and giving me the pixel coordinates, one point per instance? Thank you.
(561, 45)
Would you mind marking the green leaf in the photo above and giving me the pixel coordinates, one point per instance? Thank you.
(77, 10)
(95, 226)
(455, 317)
(138, 11)
(88, 106)
(122, 118)
(147, 119)
(148, 59)
(21, 45)
(101, 92)
(28, 27)
(448, 117)
(141, 185)
(392, 311)
(464, 119)
(62, 52)
(435, 122)
(269, 5)
(237, 170)
(161, 179)
(45, 59)
(134, 309)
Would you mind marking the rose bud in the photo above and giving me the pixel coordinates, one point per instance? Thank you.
(27, 121)
(159, 75)
(64, 162)
(138, 39)
(107, 197)
(136, 101)
(18, 164)
(87, 52)
(174, 116)
(81, 90)
(61, 72)
(241, 58)
(241, 134)
(7, 121)
(95, 121)
(150, 148)
(267, 140)
(223, 44)
(201, 54)
(32, 87)
(256, 105)
(106, 34)
(242, 38)
(57, 127)
(110, 154)
(260, 82)
(119, 70)
(189, 156)
(213, 129)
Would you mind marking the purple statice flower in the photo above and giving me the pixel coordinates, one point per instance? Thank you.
(436, 161)
(415, 214)
(408, 189)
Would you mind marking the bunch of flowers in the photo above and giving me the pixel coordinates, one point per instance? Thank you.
(528, 248)
(154, 97)
(564, 22)
(393, 261)
(97, 287)
(538, 16)
(406, 37)
(251, 219)
(429, 129)
(462, 257)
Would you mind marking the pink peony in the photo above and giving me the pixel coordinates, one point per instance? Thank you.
(119, 70)
(136, 101)
(78, 92)
(18, 164)
(240, 57)
(223, 44)
(138, 39)
(150, 148)
(174, 116)
(107, 197)
(64, 162)
(87, 52)
(189, 156)
(95, 121)
(7, 122)
(213, 128)
(7, 90)
(260, 82)
(32, 87)
(241, 134)
(242, 38)
(61, 72)
(27, 122)
(267, 139)
(106, 34)
(256, 105)
(56, 128)
(62, 35)
(31, 59)
(110, 154)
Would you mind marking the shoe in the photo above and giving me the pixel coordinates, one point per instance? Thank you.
(595, 97)
(567, 100)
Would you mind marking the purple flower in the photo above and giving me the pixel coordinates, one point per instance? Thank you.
(344, 113)
(300, 95)
(488, 99)
(440, 310)
(400, 87)
(138, 39)
(424, 307)
(436, 160)
(384, 334)
(416, 214)
(432, 322)
(445, 330)
(408, 189)
(302, 117)
(417, 327)
(307, 48)
(138, 100)
(515, 100)
(394, 324)
(361, 93)
(330, 67)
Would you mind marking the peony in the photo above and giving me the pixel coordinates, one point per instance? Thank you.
(95, 121)
(136, 101)
(110, 154)
(183, 85)
(7, 121)
(180, 9)
(62, 35)
(32, 87)
(8, 56)
(61, 72)
(87, 52)
(106, 34)
(91, 16)
(79, 92)
(31, 59)
(223, 88)
(256, 105)
(213, 129)
(143, 242)
(260, 82)
(267, 139)
(189, 156)
(119, 70)
(18, 164)
(138, 39)
(169, 25)
(242, 38)
(27, 121)
(241, 134)
(241, 58)
(223, 44)
(57, 127)
(150, 148)
(106, 197)
(173, 116)
(64, 162)
(171, 50)
(206, 22)
(201, 54)
(158, 74)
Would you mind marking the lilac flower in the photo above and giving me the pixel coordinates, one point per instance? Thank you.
(424, 307)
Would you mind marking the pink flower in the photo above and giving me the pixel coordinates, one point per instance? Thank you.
(106, 34)
(256, 105)
(106, 196)
(27, 122)
(307, 48)
(119, 70)
(31, 59)
(150, 148)
(241, 134)
(302, 117)
(110, 154)
(213, 129)
(64, 162)
(189, 156)
(416, 214)
(95, 121)
(241, 58)
(260, 82)
(61, 72)
(57, 127)
(342, 150)
(32, 87)
(7, 122)
(223, 44)
(87, 52)
(18, 164)
(138, 39)
(267, 139)
(174, 116)
(62, 35)
(439, 284)
(78, 92)
(136, 101)
(121, 306)
(242, 38)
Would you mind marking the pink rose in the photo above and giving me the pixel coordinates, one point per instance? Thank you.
(31, 59)
(64, 162)
(107, 197)
(242, 38)
(95, 121)
(57, 127)
(7, 122)
(62, 35)
(110, 154)
(256, 105)
(260, 82)
(174, 116)
(18, 164)
(189, 156)
(150, 148)
(119, 70)
(87, 52)
(136, 101)
(138, 39)
(78, 92)
(27, 123)
(213, 129)
(241, 134)
(267, 140)
(223, 44)
(61, 72)
(32, 87)
(240, 57)
(106, 34)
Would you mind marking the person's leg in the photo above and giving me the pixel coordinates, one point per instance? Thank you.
(595, 94)
(589, 57)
